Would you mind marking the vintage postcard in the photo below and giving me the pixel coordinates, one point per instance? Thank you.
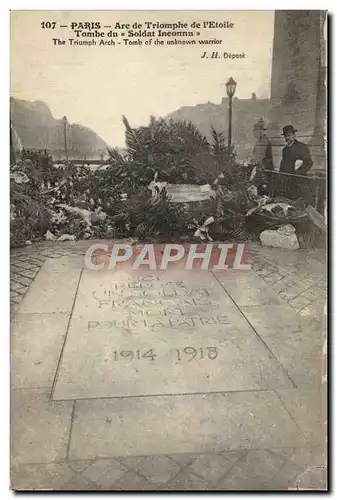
(168, 229)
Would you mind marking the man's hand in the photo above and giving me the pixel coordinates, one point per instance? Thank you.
(298, 164)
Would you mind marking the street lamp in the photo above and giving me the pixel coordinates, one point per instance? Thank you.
(261, 127)
(230, 87)
(65, 122)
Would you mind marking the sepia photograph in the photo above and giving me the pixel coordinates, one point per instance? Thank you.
(168, 250)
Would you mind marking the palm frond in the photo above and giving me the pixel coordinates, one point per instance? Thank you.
(219, 144)
(132, 139)
(115, 157)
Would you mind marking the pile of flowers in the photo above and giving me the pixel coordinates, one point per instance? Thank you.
(67, 201)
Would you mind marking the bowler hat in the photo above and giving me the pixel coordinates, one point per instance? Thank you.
(289, 129)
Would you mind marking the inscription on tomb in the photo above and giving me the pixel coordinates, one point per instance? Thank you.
(188, 354)
(137, 334)
(169, 322)
(164, 291)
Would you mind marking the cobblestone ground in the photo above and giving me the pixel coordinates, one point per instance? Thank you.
(300, 280)
(294, 468)
(26, 262)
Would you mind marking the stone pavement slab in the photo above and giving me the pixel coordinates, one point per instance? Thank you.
(177, 442)
(302, 357)
(278, 320)
(212, 467)
(39, 428)
(303, 468)
(266, 469)
(247, 288)
(190, 424)
(256, 471)
(36, 342)
(53, 290)
(156, 469)
(132, 482)
(41, 476)
(105, 472)
(79, 483)
(186, 481)
(307, 409)
(296, 342)
(161, 333)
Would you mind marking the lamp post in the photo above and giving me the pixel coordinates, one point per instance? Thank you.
(65, 122)
(261, 127)
(230, 87)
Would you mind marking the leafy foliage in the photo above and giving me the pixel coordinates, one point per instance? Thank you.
(174, 150)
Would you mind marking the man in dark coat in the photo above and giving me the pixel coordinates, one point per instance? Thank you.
(294, 153)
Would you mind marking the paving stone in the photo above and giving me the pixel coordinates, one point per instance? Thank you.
(313, 293)
(247, 288)
(51, 291)
(287, 477)
(296, 342)
(183, 459)
(19, 264)
(265, 273)
(28, 273)
(16, 299)
(255, 472)
(186, 481)
(315, 309)
(284, 283)
(298, 461)
(264, 270)
(234, 455)
(22, 290)
(23, 264)
(301, 356)
(306, 407)
(309, 456)
(212, 467)
(17, 287)
(22, 280)
(156, 469)
(132, 481)
(14, 268)
(190, 424)
(52, 255)
(278, 321)
(299, 302)
(39, 428)
(273, 278)
(78, 483)
(105, 472)
(313, 478)
(36, 342)
(291, 292)
(79, 465)
(40, 477)
(285, 453)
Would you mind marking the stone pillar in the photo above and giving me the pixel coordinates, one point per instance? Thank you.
(298, 95)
